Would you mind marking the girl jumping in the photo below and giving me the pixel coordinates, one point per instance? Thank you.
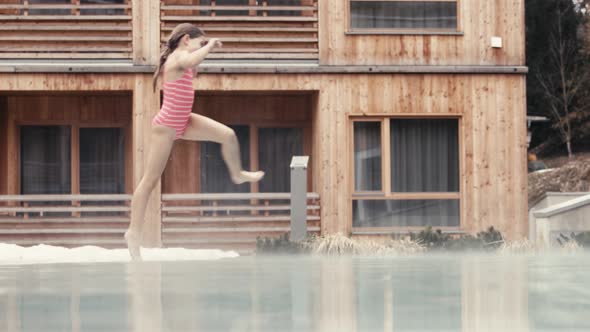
(185, 50)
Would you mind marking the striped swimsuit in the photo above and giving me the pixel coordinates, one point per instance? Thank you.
(178, 104)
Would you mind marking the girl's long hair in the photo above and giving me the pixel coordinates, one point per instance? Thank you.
(172, 43)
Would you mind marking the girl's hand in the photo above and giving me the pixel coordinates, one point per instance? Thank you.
(215, 42)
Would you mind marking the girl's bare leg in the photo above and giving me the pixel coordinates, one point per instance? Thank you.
(201, 128)
(161, 141)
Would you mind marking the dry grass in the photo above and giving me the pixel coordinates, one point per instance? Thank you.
(526, 247)
(338, 244)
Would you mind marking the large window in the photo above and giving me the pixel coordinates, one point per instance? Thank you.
(46, 160)
(406, 173)
(403, 16)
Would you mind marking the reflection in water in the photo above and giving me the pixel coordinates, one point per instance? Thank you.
(462, 293)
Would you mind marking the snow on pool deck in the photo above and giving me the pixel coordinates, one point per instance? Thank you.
(11, 254)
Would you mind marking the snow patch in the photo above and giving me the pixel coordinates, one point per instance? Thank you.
(11, 254)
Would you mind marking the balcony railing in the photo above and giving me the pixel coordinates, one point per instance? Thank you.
(67, 29)
(251, 29)
(223, 221)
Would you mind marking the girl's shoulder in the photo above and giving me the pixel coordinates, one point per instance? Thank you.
(173, 62)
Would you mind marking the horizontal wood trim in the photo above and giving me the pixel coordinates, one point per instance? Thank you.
(66, 6)
(417, 32)
(57, 198)
(400, 230)
(263, 56)
(65, 18)
(62, 49)
(90, 27)
(407, 196)
(240, 18)
(61, 55)
(68, 242)
(69, 68)
(35, 209)
(222, 8)
(63, 220)
(265, 50)
(250, 29)
(223, 219)
(183, 241)
(232, 196)
(232, 208)
(43, 231)
(262, 40)
(233, 230)
(42, 38)
(288, 69)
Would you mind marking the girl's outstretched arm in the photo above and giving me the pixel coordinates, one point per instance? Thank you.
(193, 59)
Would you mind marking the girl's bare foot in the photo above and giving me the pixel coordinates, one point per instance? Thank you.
(133, 242)
(245, 176)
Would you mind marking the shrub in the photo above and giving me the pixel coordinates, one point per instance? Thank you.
(489, 239)
(582, 239)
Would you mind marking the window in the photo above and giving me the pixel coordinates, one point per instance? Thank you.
(45, 8)
(403, 16)
(406, 173)
(46, 160)
(49, 11)
(102, 11)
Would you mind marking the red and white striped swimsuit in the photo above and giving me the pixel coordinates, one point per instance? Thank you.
(179, 96)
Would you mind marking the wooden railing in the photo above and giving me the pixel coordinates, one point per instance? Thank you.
(211, 220)
(64, 220)
(253, 30)
(222, 221)
(76, 29)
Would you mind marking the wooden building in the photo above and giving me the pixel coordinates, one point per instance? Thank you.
(412, 113)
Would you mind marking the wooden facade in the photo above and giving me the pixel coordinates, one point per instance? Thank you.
(289, 64)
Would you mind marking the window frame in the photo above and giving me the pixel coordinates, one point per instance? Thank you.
(392, 31)
(386, 193)
(75, 127)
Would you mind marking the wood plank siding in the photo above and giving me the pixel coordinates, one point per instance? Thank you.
(478, 21)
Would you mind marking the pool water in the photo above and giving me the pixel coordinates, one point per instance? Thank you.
(302, 293)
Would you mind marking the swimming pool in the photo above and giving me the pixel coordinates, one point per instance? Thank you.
(302, 293)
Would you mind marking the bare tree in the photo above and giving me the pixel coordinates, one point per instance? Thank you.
(566, 78)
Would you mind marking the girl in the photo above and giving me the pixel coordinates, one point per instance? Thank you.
(185, 49)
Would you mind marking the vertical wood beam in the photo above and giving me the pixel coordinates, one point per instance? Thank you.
(146, 32)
